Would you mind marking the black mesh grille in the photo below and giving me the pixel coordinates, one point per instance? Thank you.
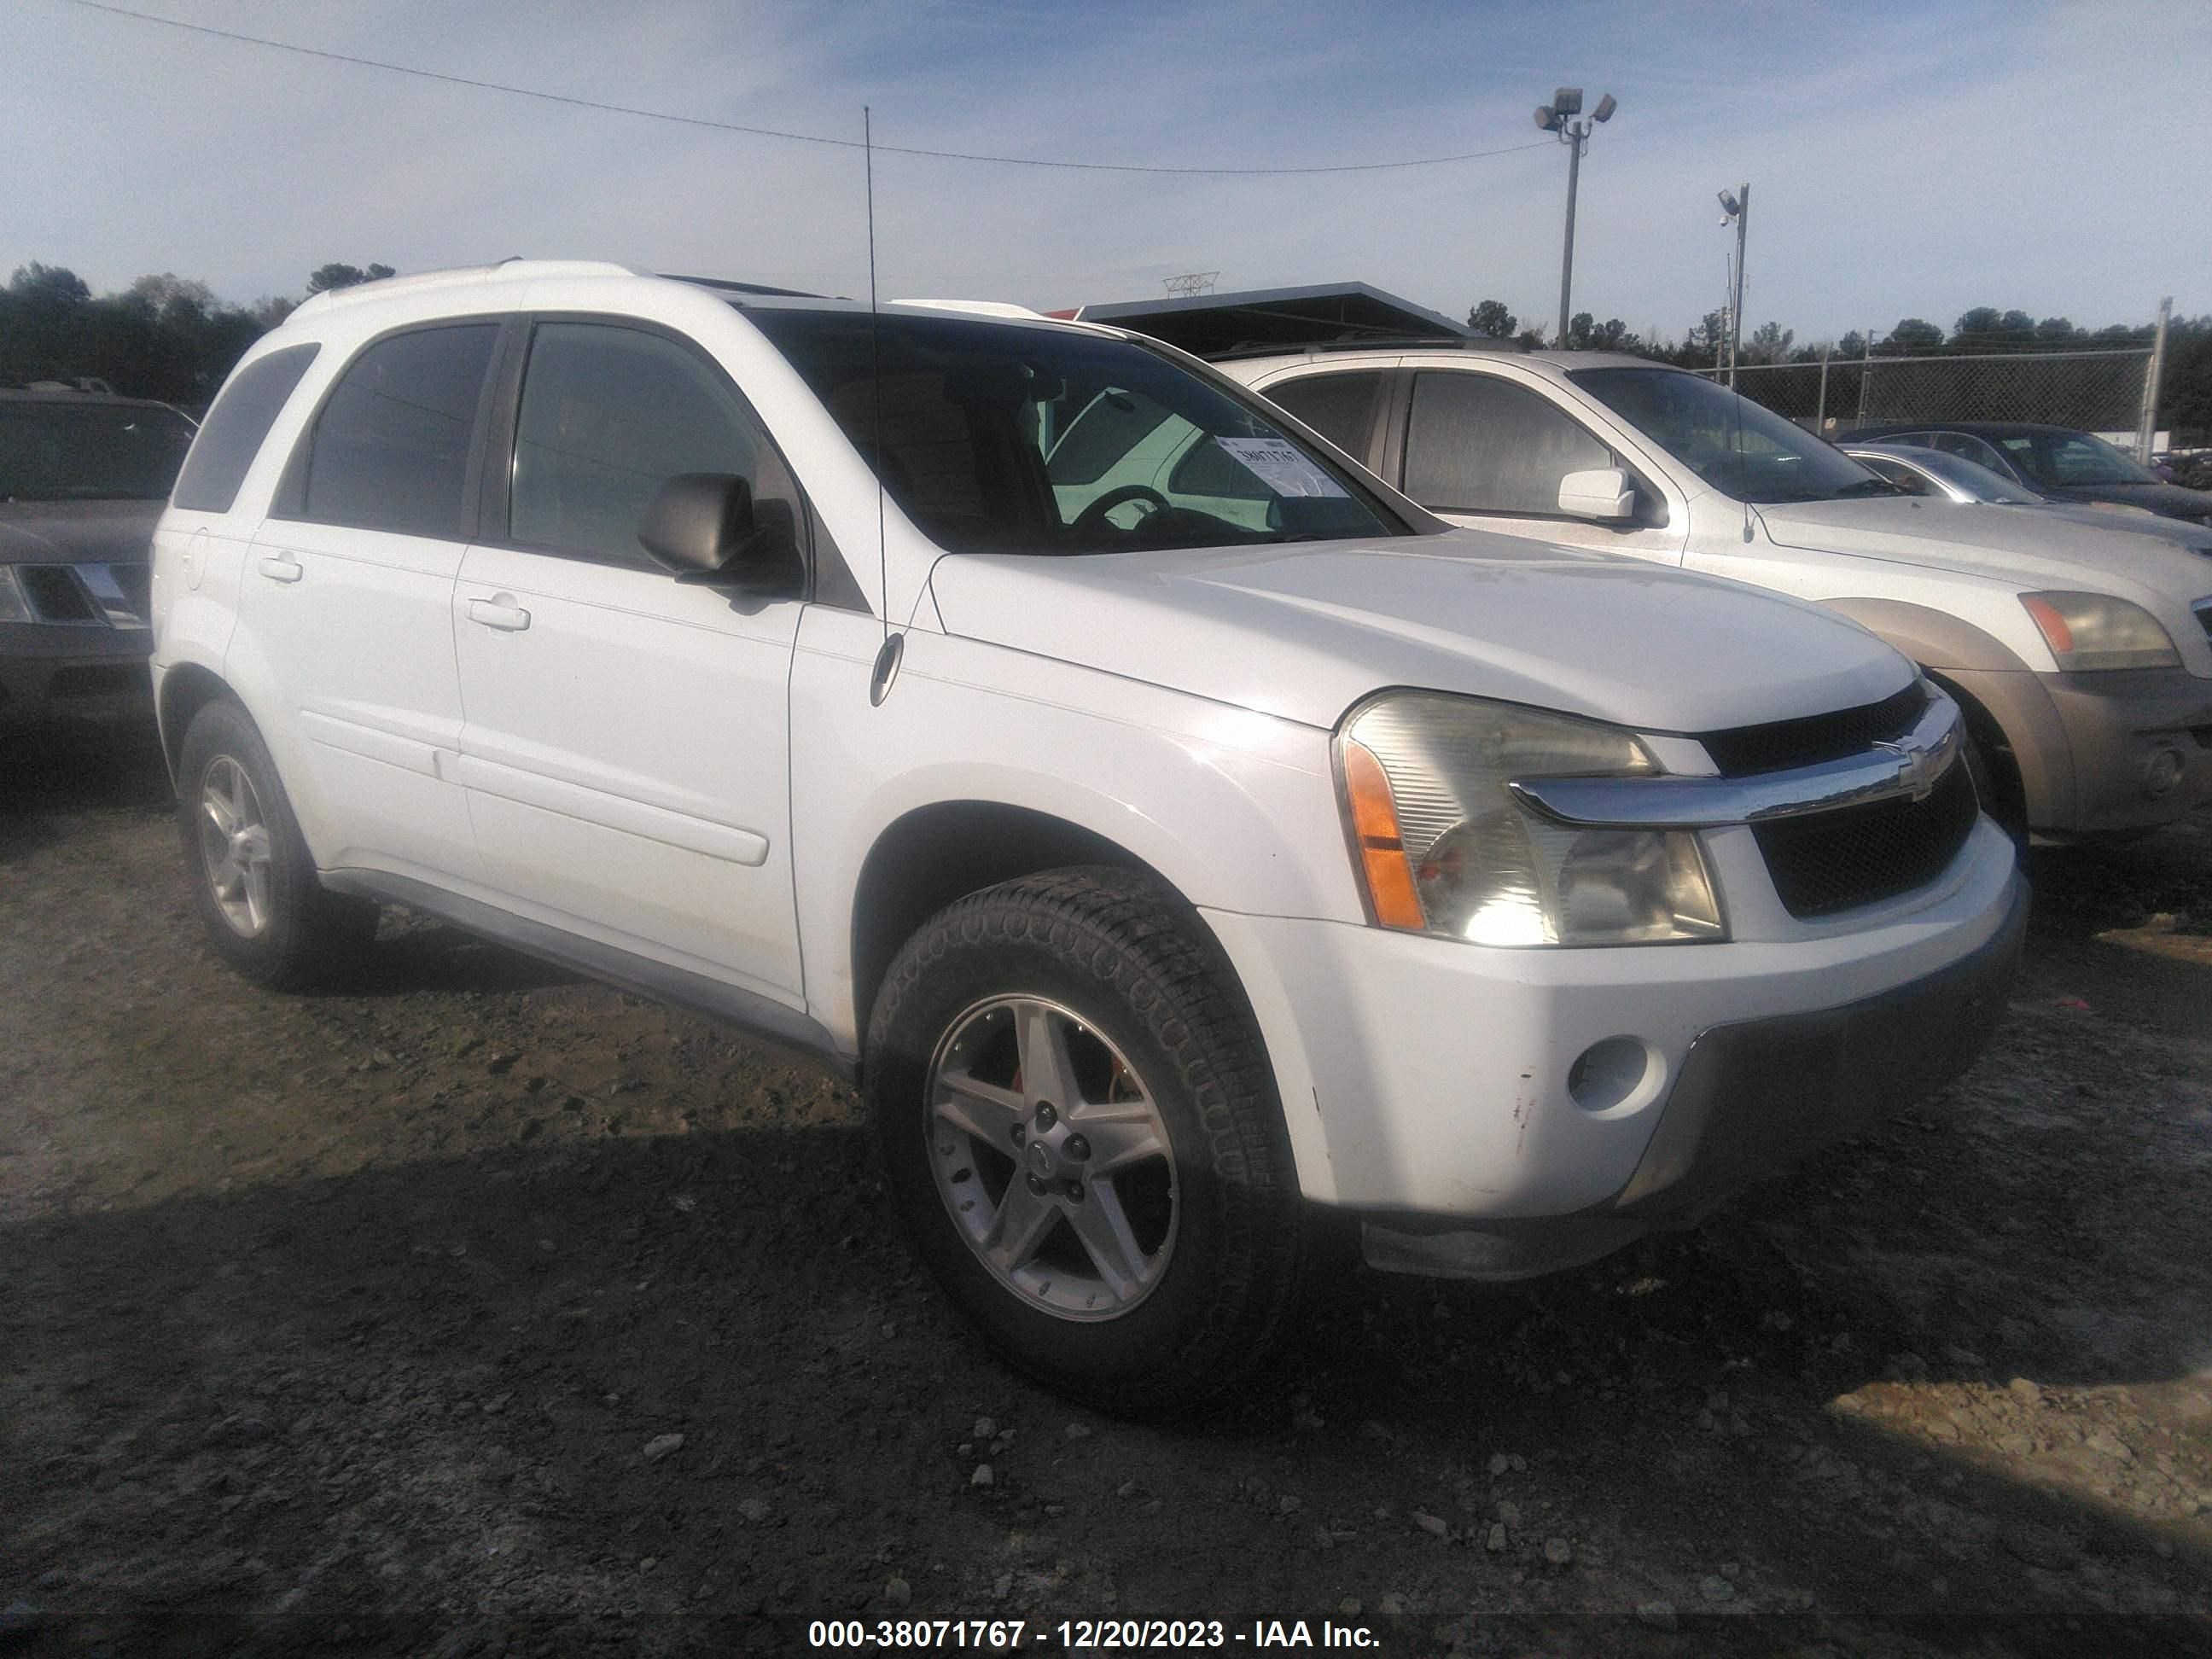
(1856, 855)
(54, 594)
(1781, 744)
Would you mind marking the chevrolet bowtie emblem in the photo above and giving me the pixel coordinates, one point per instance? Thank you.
(1916, 768)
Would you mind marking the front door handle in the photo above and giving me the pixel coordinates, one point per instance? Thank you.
(501, 613)
(281, 567)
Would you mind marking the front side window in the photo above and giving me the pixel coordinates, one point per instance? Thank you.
(390, 449)
(1965, 445)
(53, 450)
(1340, 406)
(1481, 444)
(608, 416)
(243, 413)
(1001, 437)
(1744, 450)
(2074, 458)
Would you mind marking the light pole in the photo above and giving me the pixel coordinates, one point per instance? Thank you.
(1557, 117)
(1735, 206)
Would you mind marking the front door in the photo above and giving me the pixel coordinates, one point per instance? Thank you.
(1484, 451)
(625, 751)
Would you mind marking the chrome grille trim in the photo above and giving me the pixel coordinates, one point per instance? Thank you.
(1912, 766)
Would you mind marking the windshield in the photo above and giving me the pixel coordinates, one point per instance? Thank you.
(2071, 458)
(1978, 483)
(56, 450)
(999, 438)
(1740, 449)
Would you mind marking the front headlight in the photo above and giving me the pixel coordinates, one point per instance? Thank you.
(2092, 631)
(1443, 849)
(12, 605)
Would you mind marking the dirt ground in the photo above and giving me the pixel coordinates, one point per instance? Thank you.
(366, 1323)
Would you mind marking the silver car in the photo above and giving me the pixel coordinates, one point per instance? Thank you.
(1922, 471)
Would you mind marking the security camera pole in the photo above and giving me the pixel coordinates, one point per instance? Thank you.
(1737, 204)
(1557, 117)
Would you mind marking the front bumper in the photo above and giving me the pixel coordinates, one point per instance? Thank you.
(52, 671)
(2087, 746)
(1430, 1084)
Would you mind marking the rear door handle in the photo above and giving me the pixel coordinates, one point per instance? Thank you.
(500, 613)
(281, 567)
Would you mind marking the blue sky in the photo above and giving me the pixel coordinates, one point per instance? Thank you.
(1905, 159)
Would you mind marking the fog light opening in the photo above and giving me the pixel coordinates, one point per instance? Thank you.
(2162, 772)
(1605, 1074)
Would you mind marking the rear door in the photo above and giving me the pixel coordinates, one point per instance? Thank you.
(625, 752)
(347, 594)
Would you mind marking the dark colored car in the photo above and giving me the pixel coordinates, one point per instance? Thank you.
(2054, 461)
(83, 476)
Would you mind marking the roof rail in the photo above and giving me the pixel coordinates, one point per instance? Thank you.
(978, 307)
(728, 285)
(1370, 343)
(461, 276)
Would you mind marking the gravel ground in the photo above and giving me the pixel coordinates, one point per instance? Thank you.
(485, 1310)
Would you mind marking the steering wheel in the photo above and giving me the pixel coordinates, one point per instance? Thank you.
(1093, 517)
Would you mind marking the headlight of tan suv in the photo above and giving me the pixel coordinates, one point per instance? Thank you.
(2091, 631)
(1443, 849)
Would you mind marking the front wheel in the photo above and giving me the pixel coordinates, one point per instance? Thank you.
(1080, 1129)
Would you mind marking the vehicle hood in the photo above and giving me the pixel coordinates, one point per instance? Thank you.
(72, 532)
(2022, 544)
(1305, 630)
(2171, 501)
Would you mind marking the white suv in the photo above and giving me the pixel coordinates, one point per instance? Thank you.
(1169, 865)
(2082, 656)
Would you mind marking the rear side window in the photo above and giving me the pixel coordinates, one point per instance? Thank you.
(1341, 407)
(235, 427)
(390, 449)
(1481, 444)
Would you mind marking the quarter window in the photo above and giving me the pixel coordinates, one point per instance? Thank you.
(1341, 407)
(608, 416)
(235, 427)
(1481, 444)
(390, 449)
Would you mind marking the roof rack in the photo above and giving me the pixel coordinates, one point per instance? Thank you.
(1368, 342)
(461, 275)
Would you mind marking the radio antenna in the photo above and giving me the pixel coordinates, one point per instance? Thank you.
(887, 657)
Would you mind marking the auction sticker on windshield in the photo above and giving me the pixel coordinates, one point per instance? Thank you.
(1281, 467)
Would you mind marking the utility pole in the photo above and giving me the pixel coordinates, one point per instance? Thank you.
(1821, 411)
(1558, 117)
(2146, 433)
(1736, 205)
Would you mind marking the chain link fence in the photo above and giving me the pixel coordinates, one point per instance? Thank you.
(2091, 391)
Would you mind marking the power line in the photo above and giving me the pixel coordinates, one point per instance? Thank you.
(775, 132)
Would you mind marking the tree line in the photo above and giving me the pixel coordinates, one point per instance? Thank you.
(169, 337)
(165, 336)
(2185, 392)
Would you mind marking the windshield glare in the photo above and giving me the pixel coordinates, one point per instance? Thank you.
(1740, 449)
(1007, 439)
(1979, 484)
(60, 451)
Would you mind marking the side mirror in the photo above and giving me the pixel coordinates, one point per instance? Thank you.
(1603, 494)
(707, 528)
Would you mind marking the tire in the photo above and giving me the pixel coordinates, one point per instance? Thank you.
(1153, 1280)
(2000, 795)
(252, 879)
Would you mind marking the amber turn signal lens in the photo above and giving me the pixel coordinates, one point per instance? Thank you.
(2053, 624)
(1381, 850)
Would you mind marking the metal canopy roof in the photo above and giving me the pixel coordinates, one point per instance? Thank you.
(1273, 316)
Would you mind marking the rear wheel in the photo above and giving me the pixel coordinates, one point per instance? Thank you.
(1079, 1127)
(252, 879)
